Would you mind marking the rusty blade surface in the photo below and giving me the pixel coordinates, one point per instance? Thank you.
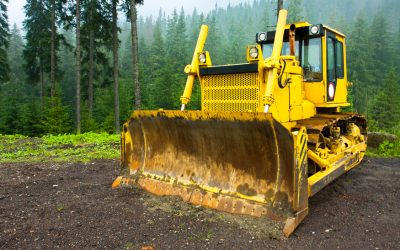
(235, 162)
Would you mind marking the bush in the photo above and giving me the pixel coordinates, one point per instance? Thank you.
(389, 149)
(55, 119)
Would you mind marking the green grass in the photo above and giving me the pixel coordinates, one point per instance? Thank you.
(386, 149)
(90, 146)
(61, 148)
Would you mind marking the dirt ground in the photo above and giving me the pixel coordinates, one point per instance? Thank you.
(72, 206)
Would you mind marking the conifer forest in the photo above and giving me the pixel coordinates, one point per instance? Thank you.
(83, 65)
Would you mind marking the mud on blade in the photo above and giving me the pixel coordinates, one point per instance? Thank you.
(243, 163)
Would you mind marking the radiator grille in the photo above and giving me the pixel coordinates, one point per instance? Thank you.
(230, 92)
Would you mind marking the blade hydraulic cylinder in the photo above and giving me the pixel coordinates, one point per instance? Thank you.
(272, 64)
(192, 69)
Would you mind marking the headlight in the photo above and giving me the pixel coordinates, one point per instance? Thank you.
(262, 37)
(202, 58)
(314, 29)
(253, 52)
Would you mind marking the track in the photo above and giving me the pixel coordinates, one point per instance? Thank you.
(320, 123)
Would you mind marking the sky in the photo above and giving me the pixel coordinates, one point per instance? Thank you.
(151, 7)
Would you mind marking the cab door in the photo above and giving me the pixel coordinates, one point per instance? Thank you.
(336, 80)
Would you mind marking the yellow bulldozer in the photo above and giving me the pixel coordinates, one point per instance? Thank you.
(269, 135)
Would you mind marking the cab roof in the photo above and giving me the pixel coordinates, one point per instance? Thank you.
(307, 24)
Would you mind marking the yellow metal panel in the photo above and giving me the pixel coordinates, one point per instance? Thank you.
(296, 113)
(280, 108)
(296, 95)
(315, 92)
(308, 109)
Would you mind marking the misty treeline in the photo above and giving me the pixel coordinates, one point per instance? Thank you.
(38, 65)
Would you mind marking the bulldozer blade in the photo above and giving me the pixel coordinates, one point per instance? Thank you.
(241, 163)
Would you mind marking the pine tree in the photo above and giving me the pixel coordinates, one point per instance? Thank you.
(135, 63)
(265, 22)
(60, 17)
(31, 119)
(171, 68)
(15, 50)
(78, 65)
(38, 43)
(52, 8)
(126, 58)
(176, 42)
(12, 123)
(66, 66)
(379, 46)
(194, 22)
(42, 40)
(279, 7)
(233, 45)
(358, 61)
(88, 123)
(131, 12)
(115, 31)
(125, 98)
(157, 61)
(96, 20)
(385, 108)
(4, 37)
(295, 9)
(146, 92)
(103, 114)
(10, 115)
(55, 119)
(213, 43)
(397, 49)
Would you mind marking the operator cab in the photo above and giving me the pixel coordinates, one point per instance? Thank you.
(320, 51)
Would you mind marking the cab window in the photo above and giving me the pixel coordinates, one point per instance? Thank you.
(339, 60)
(267, 49)
(286, 49)
(310, 57)
(331, 59)
(311, 60)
